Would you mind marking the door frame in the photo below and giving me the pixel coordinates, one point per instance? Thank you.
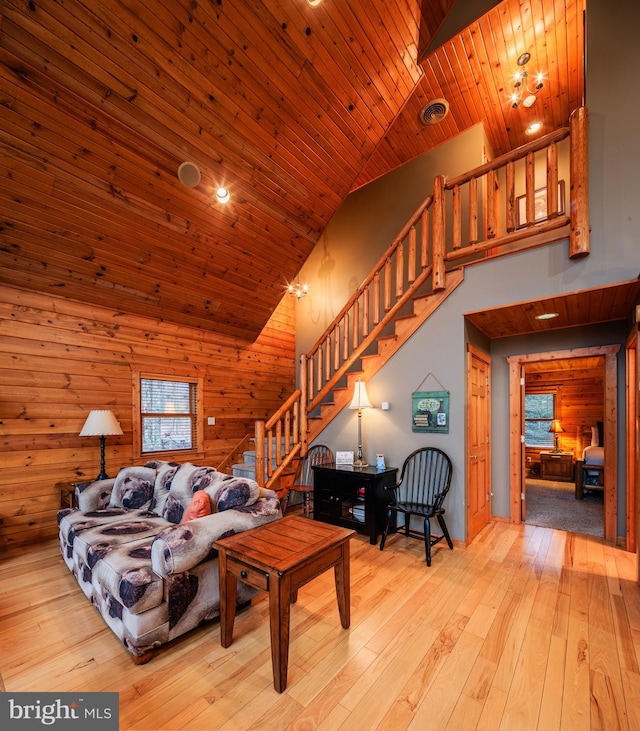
(632, 456)
(516, 429)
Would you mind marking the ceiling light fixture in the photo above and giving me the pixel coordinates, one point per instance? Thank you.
(522, 93)
(297, 290)
(313, 3)
(533, 128)
(547, 316)
(222, 195)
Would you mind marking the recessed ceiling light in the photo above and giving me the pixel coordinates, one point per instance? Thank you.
(533, 128)
(547, 316)
(314, 3)
(222, 195)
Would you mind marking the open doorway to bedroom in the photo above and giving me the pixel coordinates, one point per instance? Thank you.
(572, 441)
(563, 420)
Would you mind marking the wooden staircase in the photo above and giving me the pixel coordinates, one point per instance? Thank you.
(387, 345)
(419, 270)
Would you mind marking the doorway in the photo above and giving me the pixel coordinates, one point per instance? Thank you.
(563, 398)
(517, 380)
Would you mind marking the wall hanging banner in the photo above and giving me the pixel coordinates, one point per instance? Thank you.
(430, 412)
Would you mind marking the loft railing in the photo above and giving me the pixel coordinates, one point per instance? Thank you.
(496, 224)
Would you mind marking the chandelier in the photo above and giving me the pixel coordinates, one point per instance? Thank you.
(297, 289)
(522, 92)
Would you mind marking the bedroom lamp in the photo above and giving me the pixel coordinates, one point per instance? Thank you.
(555, 429)
(360, 401)
(101, 423)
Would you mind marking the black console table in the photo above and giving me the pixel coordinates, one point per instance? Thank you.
(353, 497)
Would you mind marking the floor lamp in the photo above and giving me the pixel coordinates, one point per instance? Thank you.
(360, 401)
(101, 424)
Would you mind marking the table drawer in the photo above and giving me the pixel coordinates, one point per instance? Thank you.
(249, 575)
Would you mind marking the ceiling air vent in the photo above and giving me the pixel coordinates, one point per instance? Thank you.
(434, 112)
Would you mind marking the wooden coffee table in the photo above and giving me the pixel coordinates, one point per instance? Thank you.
(280, 557)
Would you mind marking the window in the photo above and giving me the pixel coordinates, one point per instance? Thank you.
(168, 413)
(539, 412)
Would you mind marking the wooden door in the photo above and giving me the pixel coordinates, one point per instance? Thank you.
(478, 441)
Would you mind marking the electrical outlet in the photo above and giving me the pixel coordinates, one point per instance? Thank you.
(211, 420)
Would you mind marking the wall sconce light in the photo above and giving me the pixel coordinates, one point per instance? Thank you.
(360, 401)
(522, 93)
(556, 429)
(297, 289)
(101, 423)
(222, 195)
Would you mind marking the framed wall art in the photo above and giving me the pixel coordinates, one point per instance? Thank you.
(430, 412)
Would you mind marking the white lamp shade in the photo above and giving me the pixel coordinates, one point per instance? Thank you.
(101, 423)
(360, 398)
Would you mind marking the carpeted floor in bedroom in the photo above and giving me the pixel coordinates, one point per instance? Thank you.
(553, 505)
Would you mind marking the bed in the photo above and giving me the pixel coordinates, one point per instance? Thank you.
(590, 469)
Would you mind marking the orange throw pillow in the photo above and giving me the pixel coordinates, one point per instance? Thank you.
(199, 506)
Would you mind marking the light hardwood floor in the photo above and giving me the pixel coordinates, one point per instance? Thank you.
(528, 628)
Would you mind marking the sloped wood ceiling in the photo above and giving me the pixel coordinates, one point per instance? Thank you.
(474, 72)
(290, 107)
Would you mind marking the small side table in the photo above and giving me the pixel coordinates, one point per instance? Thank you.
(556, 466)
(280, 557)
(68, 493)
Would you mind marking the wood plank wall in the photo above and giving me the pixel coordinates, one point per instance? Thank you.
(59, 359)
(580, 404)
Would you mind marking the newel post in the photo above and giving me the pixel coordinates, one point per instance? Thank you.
(260, 453)
(304, 424)
(438, 277)
(579, 199)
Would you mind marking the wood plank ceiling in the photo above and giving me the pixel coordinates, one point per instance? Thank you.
(290, 107)
(611, 303)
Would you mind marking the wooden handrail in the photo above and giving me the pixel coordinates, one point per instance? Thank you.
(281, 411)
(366, 342)
(377, 268)
(511, 156)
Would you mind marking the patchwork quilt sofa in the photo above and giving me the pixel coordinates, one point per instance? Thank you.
(140, 546)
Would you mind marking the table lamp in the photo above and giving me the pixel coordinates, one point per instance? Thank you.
(101, 423)
(555, 429)
(360, 401)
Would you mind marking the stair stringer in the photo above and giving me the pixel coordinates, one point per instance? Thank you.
(405, 326)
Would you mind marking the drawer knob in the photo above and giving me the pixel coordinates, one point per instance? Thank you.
(243, 574)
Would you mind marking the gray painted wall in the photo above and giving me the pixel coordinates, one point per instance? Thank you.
(370, 218)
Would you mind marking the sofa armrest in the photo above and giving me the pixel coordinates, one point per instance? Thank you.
(183, 546)
(94, 495)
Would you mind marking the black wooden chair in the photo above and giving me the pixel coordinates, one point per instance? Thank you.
(303, 482)
(423, 486)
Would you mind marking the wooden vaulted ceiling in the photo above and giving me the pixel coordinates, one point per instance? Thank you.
(288, 106)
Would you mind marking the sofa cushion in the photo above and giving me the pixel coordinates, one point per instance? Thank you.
(187, 480)
(233, 492)
(133, 488)
(164, 476)
(199, 506)
(94, 543)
